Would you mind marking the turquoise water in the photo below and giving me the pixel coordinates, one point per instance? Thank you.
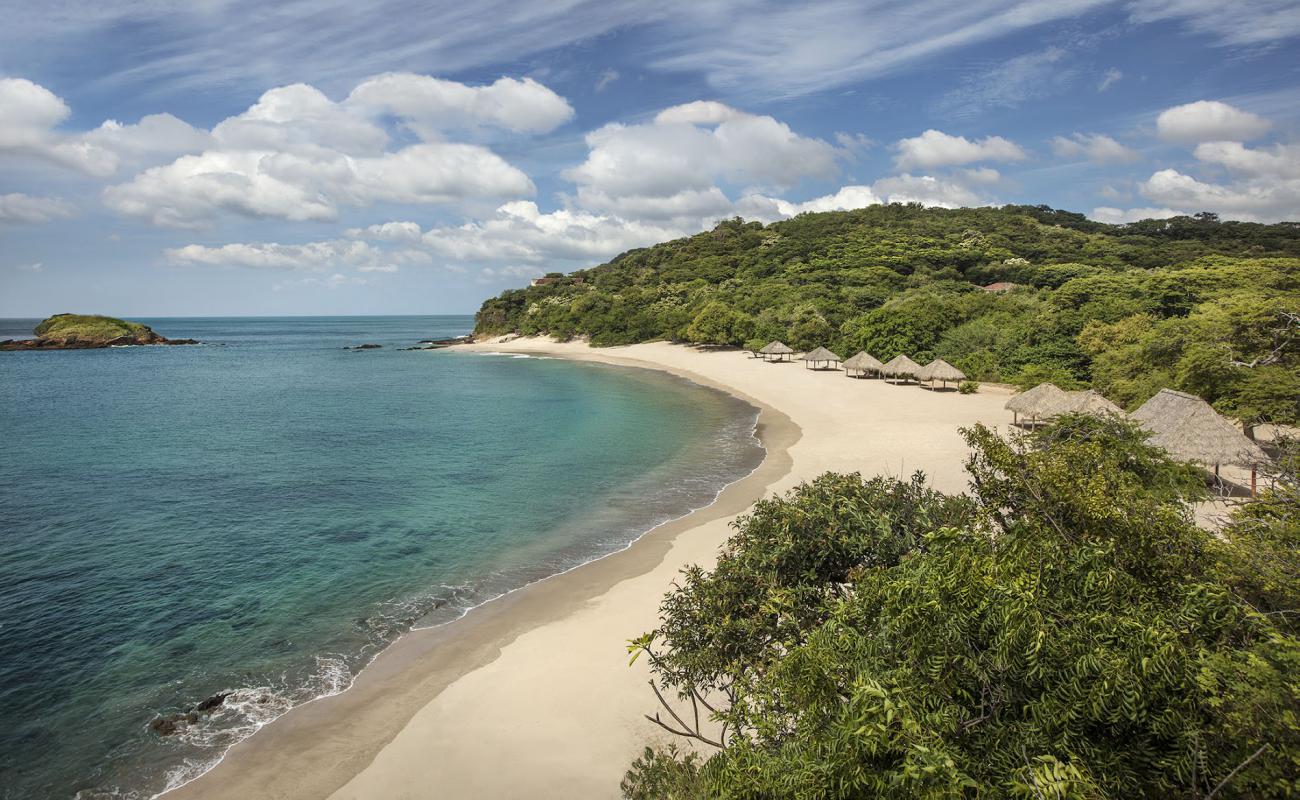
(264, 513)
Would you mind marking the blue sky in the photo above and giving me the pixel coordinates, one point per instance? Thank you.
(330, 157)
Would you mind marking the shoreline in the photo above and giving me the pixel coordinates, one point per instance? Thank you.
(438, 652)
(538, 677)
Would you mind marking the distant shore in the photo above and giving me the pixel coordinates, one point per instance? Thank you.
(538, 680)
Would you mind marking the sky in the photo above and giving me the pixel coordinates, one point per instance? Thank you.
(232, 157)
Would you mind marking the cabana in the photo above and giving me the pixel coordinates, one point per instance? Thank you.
(819, 356)
(900, 366)
(1039, 403)
(1189, 429)
(1089, 401)
(775, 351)
(942, 371)
(858, 366)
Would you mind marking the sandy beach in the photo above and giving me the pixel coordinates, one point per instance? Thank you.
(531, 695)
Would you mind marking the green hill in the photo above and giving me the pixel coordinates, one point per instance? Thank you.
(1191, 303)
(90, 328)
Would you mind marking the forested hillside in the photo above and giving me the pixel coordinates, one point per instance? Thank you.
(1192, 303)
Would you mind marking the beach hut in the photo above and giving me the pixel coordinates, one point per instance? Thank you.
(821, 358)
(942, 371)
(775, 351)
(1039, 403)
(860, 365)
(1089, 401)
(900, 366)
(1189, 429)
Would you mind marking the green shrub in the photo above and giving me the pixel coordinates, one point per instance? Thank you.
(968, 387)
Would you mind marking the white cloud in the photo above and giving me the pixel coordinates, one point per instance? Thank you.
(927, 190)
(35, 266)
(518, 232)
(335, 281)
(24, 208)
(1271, 198)
(431, 105)
(1096, 147)
(1111, 77)
(388, 232)
(1279, 161)
(309, 257)
(981, 175)
(1117, 216)
(297, 155)
(938, 149)
(1011, 84)
(669, 168)
(1242, 22)
(1207, 121)
(30, 115)
(606, 78)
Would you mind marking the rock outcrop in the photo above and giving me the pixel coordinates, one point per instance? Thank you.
(89, 331)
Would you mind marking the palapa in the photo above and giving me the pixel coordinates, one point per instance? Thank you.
(942, 371)
(1191, 430)
(900, 366)
(775, 351)
(821, 356)
(1038, 403)
(1089, 401)
(859, 365)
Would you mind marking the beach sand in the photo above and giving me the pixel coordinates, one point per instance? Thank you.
(531, 695)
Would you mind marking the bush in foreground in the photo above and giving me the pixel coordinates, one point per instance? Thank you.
(1068, 632)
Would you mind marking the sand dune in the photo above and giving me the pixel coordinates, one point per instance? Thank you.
(532, 695)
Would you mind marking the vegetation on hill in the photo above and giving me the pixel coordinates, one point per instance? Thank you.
(88, 327)
(1192, 303)
(1065, 632)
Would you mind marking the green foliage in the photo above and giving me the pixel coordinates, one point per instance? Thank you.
(1068, 632)
(87, 327)
(1128, 309)
(968, 387)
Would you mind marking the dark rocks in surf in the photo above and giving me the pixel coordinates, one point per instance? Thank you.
(366, 346)
(169, 724)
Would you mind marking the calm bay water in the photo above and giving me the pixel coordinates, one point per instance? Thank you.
(264, 513)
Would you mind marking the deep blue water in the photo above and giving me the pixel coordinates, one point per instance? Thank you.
(264, 513)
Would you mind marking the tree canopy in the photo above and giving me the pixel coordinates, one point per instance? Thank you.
(1191, 303)
(1064, 632)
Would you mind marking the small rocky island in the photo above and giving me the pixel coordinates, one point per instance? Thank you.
(88, 331)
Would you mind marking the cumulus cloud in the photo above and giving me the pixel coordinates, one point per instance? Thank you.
(1096, 147)
(938, 149)
(927, 190)
(519, 232)
(24, 208)
(1262, 184)
(297, 155)
(30, 115)
(1209, 120)
(688, 148)
(309, 257)
(769, 209)
(430, 105)
(1118, 216)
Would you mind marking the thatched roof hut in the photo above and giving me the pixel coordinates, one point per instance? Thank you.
(776, 351)
(942, 371)
(821, 358)
(1088, 401)
(859, 365)
(1038, 403)
(900, 366)
(1190, 429)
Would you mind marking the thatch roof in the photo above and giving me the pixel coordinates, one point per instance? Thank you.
(775, 348)
(1088, 401)
(940, 370)
(864, 361)
(900, 365)
(821, 354)
(1042, 401)
(1190, 429)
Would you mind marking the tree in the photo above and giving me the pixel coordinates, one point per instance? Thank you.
(1069, 632)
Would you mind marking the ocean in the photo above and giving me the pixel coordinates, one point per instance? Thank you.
(263, 513)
